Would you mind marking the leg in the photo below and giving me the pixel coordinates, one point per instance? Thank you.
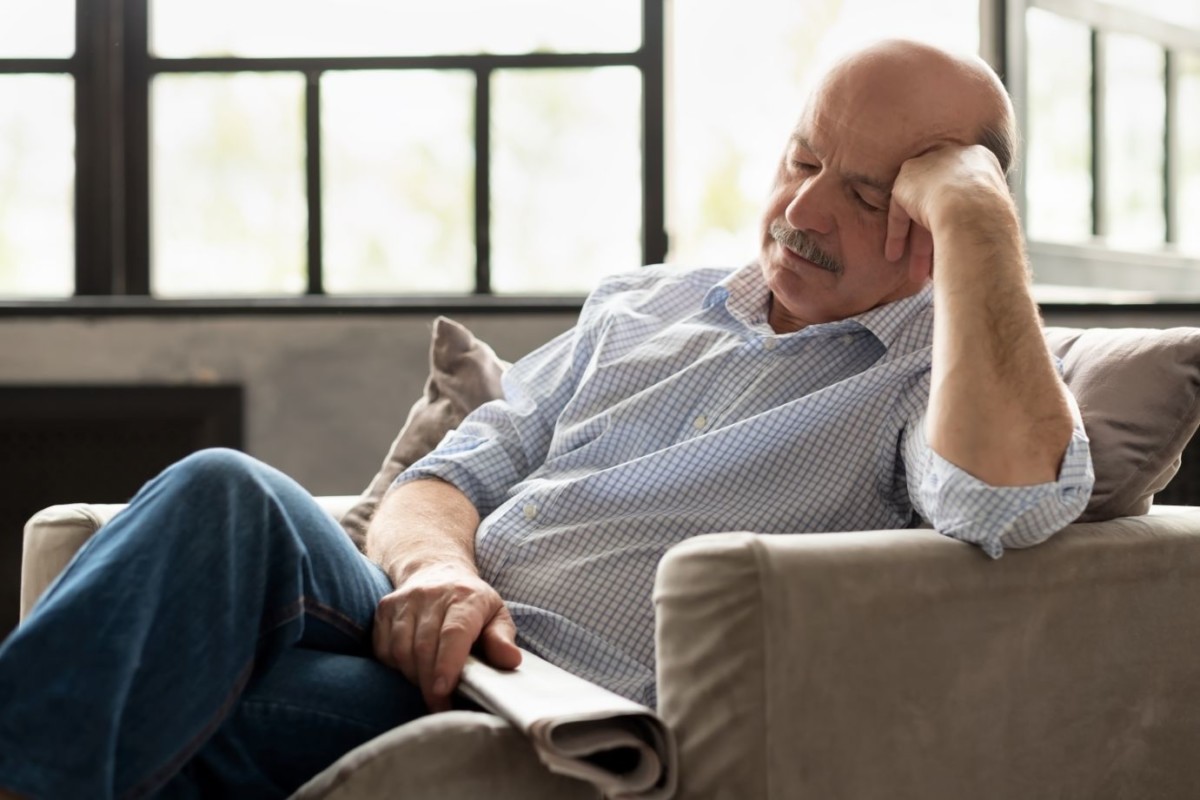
(304, 713)
(140, 650)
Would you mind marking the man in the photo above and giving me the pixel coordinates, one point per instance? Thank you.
(215, 637)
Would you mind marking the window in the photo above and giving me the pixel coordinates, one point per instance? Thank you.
(737, 84)
(1109, 95)
(37, 140)
(290, 147)
(187, 149)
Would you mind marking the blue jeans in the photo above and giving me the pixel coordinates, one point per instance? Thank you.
(213, 640)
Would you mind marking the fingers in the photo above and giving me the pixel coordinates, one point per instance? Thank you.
(499, 642)
(920, 254)
(898, 225)
(427, 627)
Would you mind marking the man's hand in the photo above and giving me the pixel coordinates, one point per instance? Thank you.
(427, 626)
(423, 535)
(930, 189)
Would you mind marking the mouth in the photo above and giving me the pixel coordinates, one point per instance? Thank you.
(800, 252)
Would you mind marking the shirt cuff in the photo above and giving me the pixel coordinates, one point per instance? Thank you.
(995, 517)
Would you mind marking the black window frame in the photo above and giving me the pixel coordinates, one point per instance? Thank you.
(113, 68)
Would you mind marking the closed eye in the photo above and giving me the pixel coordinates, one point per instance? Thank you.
(867, 204)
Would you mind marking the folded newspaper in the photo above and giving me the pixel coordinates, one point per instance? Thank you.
(579, 729)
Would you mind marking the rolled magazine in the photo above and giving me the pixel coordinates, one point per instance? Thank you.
(579, 729)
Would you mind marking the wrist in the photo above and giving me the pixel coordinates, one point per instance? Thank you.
(403, 568)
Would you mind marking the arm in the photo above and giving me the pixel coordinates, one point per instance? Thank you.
(997, 407)
(423, 535)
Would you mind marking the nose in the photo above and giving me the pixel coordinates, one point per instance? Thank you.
(808, 208)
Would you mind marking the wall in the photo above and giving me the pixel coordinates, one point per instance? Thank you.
(324, 394)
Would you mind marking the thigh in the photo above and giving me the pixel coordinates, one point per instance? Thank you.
(294, 720)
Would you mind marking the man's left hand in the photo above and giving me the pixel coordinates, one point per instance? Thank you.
(929, 189)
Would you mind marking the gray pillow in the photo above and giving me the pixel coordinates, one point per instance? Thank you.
(1138, 391)
(464, 373)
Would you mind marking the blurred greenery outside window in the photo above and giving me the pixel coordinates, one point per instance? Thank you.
(1111, 173)
(227, 149)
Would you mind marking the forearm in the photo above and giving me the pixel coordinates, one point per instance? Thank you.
(997, 407)
(422, 523)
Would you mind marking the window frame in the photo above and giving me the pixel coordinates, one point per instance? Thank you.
(1121, 271)
(113, 68)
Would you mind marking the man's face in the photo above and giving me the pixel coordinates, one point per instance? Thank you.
(826, 221)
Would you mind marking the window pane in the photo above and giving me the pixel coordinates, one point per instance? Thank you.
(1180, 12)
(37, 28)
(1134, 108)
(1058, 156)
(398, 180)
(180, 28)
(1188, 172)
(229, 212)
(37, 171)
(566, 177)
(738, 80)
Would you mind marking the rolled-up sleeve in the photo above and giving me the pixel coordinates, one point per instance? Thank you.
(960, 505)
(503, 441)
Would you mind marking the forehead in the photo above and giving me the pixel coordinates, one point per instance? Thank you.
(869, 136)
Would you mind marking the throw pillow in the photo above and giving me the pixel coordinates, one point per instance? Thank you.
(464, 373)
(1139, 393)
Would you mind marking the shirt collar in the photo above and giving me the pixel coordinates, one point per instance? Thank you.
(745, 296)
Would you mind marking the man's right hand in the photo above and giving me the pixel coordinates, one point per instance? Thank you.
(427, 626)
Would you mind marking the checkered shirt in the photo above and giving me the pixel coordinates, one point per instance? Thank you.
(672, 409)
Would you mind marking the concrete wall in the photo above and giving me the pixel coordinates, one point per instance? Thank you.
(324, 394)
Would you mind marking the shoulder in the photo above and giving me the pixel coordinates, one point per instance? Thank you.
(655, 289)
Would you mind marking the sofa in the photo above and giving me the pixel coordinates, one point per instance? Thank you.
(877, 664)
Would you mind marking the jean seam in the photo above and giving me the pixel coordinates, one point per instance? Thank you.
(334, 617)
(155, 779)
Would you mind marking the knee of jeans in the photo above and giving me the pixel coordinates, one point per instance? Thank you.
(217, 468)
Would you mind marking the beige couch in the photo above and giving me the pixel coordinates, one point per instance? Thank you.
(887, 664)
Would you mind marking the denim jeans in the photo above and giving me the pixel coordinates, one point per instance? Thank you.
(213, 640)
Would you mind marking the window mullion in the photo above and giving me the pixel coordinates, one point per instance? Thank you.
(1171, 154)
(133, 270)
(1099, 138)
(98, 200)
(312, 133)
(483, 180)
(654, 233)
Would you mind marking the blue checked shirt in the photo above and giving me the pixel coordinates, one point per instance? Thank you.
(672, 409)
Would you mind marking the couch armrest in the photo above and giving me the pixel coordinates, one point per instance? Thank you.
(904, 664)
(54, 534)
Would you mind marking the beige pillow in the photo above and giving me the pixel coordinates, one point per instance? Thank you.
(464, 373)
(1138, 391)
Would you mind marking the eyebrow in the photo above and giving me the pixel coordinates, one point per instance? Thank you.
(851, 177)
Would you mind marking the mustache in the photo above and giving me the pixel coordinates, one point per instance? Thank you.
(800, 243)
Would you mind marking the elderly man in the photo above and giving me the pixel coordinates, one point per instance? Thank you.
(218, 635)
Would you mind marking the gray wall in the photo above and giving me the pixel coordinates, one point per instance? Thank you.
(324, 394)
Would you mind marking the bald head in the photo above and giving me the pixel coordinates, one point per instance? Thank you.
(919, 90)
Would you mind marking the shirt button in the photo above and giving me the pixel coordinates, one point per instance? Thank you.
(530, 510)
(770, 344)
(700, 422)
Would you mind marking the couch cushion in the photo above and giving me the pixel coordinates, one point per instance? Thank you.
(1138, 390)
(464, 373)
